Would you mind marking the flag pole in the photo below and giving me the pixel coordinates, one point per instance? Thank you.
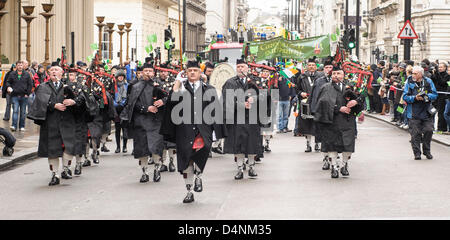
(179, 33)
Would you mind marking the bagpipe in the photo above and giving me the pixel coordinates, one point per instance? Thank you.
(365, 78)
(273, 78)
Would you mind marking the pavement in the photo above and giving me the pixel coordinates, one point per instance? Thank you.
(385, 183)
(439, 138)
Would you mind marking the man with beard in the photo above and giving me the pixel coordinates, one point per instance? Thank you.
(144, 113)
(304, 86)
(312, 100)
(240, 94)
(194, 135)
(335, 113)
(54, 111)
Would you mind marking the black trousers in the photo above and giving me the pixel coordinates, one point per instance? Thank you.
(440, 106)
(119, 129)
(421, 132)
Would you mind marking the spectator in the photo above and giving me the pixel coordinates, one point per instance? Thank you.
(40, 77)
(287, 93)
(19, 86)
(120, 101)
(6, 95)
(447, 108)
(419, 93)
(440, 79)
(34, 68)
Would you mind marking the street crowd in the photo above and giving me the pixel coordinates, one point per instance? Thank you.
(76, 105)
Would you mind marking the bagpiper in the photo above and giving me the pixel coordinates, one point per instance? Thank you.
(144, 113)
(304, 85)
(193, 137)
(54, 110)
(244, 131)
(337, 108)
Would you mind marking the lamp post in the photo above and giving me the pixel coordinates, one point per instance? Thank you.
(2, 13)
(28, 18)
(110, 31)
(100, 26)
(128, 30)
(47, 15)
(121, 32)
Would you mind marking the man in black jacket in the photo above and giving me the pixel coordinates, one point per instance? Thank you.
(440, 79)
(6, 95)
(19, 85)
(54, 111)
(193, 132)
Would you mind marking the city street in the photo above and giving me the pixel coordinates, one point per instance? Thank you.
(383, 184)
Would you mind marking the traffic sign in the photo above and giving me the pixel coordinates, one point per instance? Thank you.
(408, 32)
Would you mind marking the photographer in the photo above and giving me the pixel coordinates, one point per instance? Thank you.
(440, 79)
(419, 93)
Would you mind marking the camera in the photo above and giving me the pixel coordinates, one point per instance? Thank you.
(425, 96)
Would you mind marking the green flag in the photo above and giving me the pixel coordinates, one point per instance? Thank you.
(333, 37)
(94, 46)
(152, 38)
(89, 58)
(338, 31)
(185, 59)
(400, 109)
(448, 83)
(168, 44)
(149, 49)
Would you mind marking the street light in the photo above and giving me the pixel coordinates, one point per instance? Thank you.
(47, 15)
(110, 31)
(28, 10)
(100, 26)
(121, 32)
(128, 30)
(2, 13)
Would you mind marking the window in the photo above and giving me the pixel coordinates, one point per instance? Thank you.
(105, 46)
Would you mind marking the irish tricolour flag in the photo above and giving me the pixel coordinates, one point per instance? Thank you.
(289, 71)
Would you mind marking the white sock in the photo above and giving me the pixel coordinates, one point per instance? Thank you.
(198, 172)
(143, 163)
(67, 160)
(240, 160)
(346, 156)
(164, 156)
(54, 165)
(78, 159)
(325, 154)
(333, 156)
(171, 154)
(251, 160)
(188, 175)
(157, 159)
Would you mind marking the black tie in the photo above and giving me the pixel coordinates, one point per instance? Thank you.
(56, 86)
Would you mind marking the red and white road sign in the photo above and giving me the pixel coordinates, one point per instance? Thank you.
(408, 32)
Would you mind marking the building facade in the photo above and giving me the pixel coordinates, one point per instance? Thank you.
(223, 15)
(430, 18)
(72, 27)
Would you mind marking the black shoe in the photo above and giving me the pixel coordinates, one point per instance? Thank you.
(252, 172)
(78, 168)
(239, 175)
(172, 166)
(334, 173)
(198, 185)
(145, 178)
(267, 149)
(87, 163)
(344, 171)
(156, 176)
(54, 181)
(105, 149)
(326, 164)
(257, 159)
(308, 149)
(95, 158)
(210, 155)
(124, 150)
(117, 150)
(66, 174)
(418, 157)
(317, 148)
(189, 198)
(163, 168)
(429, 156)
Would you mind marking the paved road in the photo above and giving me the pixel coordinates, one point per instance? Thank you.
(385, 183)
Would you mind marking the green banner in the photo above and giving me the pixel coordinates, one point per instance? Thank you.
(298, 49)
